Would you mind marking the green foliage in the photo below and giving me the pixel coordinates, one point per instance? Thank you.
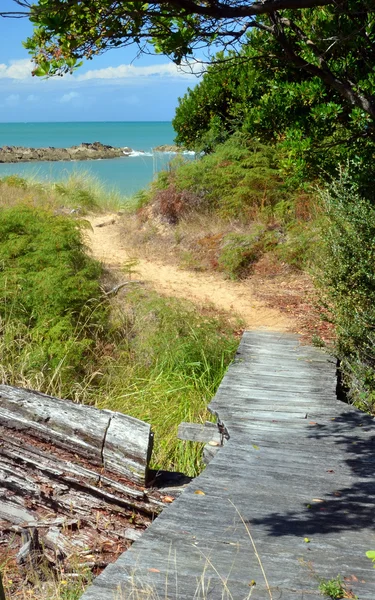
(277, 102)
(238, 181)
(302, 38)
(50, 300)
(332, 588)
(240, 251)
(371, 555)
(15, 181)
(296, 246)
(347, 283)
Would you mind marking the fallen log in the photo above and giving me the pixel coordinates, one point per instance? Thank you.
(113, 441)
(72, 477)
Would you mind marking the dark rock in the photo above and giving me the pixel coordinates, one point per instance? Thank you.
(85, 151)
(168, 148)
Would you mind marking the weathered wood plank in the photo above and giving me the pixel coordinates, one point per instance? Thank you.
(281, 477)
(119, 443)
(199, 432)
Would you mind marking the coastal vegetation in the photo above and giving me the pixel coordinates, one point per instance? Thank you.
(63, 332)
(155, 358)
(287, 167)
(282, 123)
(330, 41)
(250, 210)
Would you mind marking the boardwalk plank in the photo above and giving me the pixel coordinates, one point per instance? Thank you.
(297, 472)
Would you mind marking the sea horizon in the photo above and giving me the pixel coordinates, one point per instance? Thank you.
(128, 175)
(80, 121)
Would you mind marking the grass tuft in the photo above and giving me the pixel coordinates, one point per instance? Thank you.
(167, 368)
(80, 192)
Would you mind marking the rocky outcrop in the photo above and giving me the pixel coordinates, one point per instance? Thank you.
(168, 148)
(93, 151)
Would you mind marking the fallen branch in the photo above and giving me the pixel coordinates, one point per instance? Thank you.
(119, 287)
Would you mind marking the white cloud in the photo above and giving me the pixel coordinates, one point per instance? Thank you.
(17, 69)
(166, 70)
(12, 100)
(69, 97)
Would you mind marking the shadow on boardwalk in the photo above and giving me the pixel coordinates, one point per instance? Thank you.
(298, 471)
(347, 508)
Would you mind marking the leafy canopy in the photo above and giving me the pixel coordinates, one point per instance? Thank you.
(332, 40)
(257, 94)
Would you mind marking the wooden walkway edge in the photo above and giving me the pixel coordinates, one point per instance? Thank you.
(287, 501)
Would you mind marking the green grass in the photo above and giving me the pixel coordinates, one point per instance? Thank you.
(51, 304)
(81, 192)
(168, 365)
(155, 358)
(332, 588)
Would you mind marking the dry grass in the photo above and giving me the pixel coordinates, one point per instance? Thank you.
(193, 244)
(29, 583)
(79, 193)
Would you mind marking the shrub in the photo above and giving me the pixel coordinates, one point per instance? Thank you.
(15, 181)
(240, 251)
(239, 180)
(298, 244)
(347, 283)
(50, 299)
(172, 204)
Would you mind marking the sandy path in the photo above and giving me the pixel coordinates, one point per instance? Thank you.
(201, 288)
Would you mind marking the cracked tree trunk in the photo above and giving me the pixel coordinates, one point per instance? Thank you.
(73, 476)
(112, 441)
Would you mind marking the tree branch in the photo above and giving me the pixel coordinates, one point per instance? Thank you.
(215, 10)
(344, 88)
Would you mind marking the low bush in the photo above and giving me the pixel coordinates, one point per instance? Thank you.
(51, 306)
(239, 180)
(297, 244)
(173, 204)
(347, 283)
(240, 251)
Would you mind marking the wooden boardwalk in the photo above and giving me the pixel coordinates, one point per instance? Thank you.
(297, 473)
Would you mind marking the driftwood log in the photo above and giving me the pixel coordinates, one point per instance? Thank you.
(72, 479)
(110, 440)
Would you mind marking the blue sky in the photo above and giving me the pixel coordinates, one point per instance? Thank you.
(113, 87)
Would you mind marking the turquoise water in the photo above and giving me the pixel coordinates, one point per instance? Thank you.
(128, 174)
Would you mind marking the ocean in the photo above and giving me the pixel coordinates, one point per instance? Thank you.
(127, 175)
